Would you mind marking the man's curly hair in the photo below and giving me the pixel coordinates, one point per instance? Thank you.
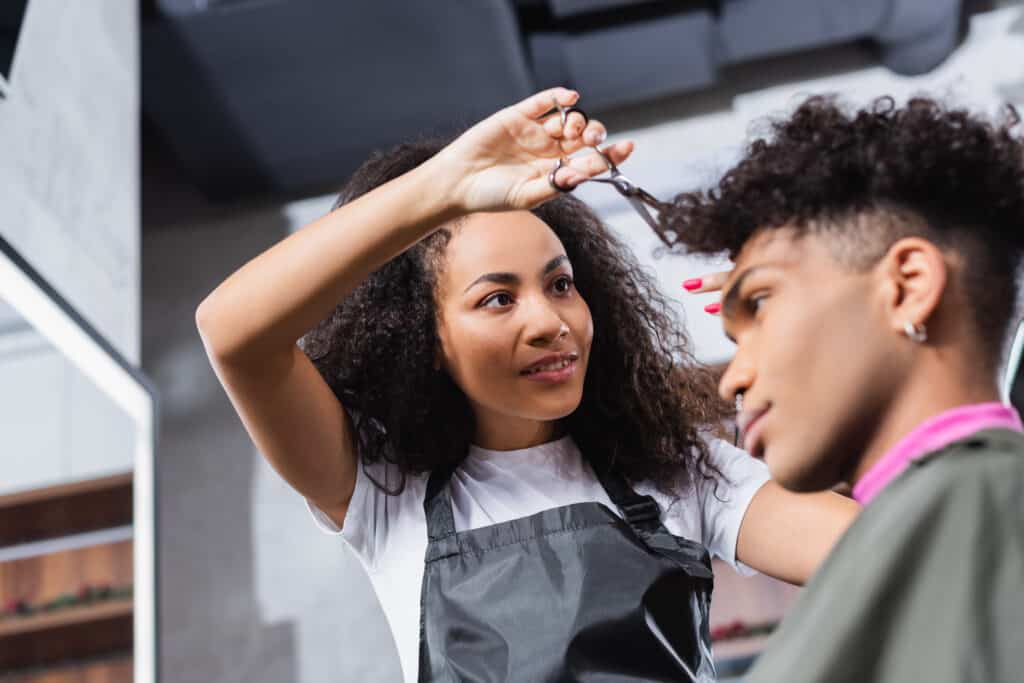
(646, 402)
(870, 177)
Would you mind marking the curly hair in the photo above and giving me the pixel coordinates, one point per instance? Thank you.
(870, 177)
(646, 402)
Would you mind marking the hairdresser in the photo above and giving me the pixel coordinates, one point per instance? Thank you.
(492, 405)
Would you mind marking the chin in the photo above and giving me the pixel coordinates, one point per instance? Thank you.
(549, 411)
(800, 474)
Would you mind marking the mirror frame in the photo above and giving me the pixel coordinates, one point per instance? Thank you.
(1012, 388)
(55, 319)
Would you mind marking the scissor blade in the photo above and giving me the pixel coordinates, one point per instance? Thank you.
(642, 209)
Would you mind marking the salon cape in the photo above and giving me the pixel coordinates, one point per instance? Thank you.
(389, 534)
(926, 585)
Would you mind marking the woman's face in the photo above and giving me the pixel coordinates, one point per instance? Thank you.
(515, 334)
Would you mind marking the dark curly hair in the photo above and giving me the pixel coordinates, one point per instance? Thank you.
(870, 177)
(646, 402)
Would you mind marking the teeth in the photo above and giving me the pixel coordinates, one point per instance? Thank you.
(557, 365)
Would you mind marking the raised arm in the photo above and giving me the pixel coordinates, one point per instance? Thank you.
(251, 322)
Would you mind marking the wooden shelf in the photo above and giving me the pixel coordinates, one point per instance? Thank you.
(68, 616)
(91, 631)
(68, 634)
(73, 634)
(66, 509)
(117, 669)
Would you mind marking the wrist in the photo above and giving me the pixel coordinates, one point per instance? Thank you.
(447, 177)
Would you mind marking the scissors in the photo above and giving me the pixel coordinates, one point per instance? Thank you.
(640, 199)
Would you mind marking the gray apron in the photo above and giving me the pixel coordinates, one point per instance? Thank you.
(569, 594)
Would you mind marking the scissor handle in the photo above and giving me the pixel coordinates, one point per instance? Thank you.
(563, 112)
(608, 160)
(554, 183)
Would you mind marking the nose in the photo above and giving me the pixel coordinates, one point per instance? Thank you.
(544, 324)
(738, 377)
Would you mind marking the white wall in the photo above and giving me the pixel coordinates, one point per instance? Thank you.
(69, 191)
(69, 169)
(57, 425)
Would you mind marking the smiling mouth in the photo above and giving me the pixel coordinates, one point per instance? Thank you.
(552, 366)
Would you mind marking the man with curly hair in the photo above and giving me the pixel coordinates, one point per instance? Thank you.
(875, 257)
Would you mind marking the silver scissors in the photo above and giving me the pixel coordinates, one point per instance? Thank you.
(640, 199)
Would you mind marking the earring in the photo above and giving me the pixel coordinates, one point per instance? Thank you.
(736, 423)
(917, 333)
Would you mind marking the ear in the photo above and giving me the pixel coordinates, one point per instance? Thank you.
(916, 273)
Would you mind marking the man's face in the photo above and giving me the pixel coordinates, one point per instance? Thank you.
(814, 358)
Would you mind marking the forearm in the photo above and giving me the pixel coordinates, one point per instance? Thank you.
(278, 296)
(788, 535)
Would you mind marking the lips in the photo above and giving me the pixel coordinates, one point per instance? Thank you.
(552, 363)
(748, 417)
(750, 424)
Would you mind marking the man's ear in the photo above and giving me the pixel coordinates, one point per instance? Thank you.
(916, 273)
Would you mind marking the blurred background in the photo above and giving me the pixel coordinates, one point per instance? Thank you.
(148, 149)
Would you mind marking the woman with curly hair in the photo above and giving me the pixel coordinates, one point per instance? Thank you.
(877, 254)
(494, 408)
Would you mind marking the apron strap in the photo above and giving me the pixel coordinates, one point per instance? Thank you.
(437, 504)
(641, 512)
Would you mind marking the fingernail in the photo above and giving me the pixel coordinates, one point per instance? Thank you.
(601, 137)
(713, 308)
(693, 284)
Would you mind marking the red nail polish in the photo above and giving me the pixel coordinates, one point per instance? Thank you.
(713, 308)
(693, 284)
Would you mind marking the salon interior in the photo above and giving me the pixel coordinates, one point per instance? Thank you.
(150, 148)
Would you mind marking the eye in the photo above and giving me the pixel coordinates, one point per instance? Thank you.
(497, 300)
(562, 284)
(754, 303)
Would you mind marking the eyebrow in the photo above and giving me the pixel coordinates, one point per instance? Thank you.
(732, 295)
(512, 278)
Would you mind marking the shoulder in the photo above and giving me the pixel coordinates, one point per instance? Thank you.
(986, 468)
(386, 511)
(737, 467)
(730, 481)
(968, 490)
(944, 535)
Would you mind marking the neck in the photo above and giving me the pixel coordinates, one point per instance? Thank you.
(925, 395)
(504, 433)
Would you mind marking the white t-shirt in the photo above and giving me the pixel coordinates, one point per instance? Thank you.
(389, 533)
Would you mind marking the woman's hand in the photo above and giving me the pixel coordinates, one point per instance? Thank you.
(712, 282)
(503, 162)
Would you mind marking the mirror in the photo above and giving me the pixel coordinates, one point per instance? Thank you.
(77, 546)
(1013, 378)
